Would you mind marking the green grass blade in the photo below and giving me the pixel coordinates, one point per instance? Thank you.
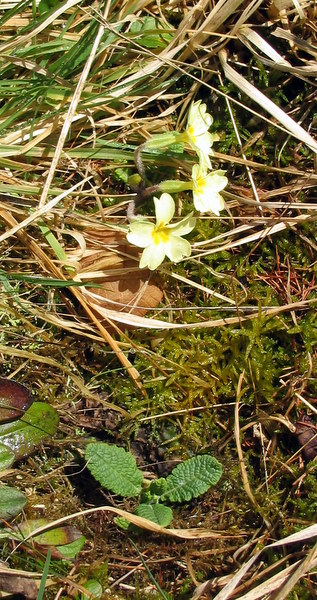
(40, 594)
(152, 578)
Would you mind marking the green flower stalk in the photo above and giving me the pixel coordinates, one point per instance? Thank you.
(205, 187)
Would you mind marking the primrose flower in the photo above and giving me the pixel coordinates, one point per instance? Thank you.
(197, 134)
(206, 188)
(161, 239)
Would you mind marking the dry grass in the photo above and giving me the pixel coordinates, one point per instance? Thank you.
(81, 87)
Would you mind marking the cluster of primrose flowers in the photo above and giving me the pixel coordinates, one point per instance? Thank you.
(164, 238)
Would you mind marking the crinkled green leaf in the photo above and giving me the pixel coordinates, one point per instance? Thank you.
(38, 423)
(11, 502)
(192, 478)
(114, 468)
(122, 523)
(158, 513)
(158, 486)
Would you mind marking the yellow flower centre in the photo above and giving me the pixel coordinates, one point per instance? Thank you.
(200, 185)
(191, 133)
(160, 234)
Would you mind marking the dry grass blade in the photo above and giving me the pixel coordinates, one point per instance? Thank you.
(50, 265)
(131, 370)
(133, 320)
(203, 288)
(147, 70)
(305, 535)
(22, 40)
(259, 235)
(35, 215)
(243, 470)
(71, 112)
(217, 16)
(246, 33)
(257, 96)
(279, 586)
(250, 38)
(7, 571)
(183, 534)
(302, 44)
(305, 566)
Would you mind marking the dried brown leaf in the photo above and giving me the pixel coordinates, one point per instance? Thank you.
(113, 264)
(306, 433)
(16, 584)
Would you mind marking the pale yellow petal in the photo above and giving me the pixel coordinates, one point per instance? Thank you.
(199, 120)
(184, 226)
(209, 202)
(164, 209)
(152, 256)
(216, 181)
(140, 233)
(177, 248)
(205, 189)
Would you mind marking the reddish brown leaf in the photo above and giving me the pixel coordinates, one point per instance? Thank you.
(15, 399)
(306, 433)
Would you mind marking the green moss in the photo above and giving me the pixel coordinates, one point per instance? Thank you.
(303, 502)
